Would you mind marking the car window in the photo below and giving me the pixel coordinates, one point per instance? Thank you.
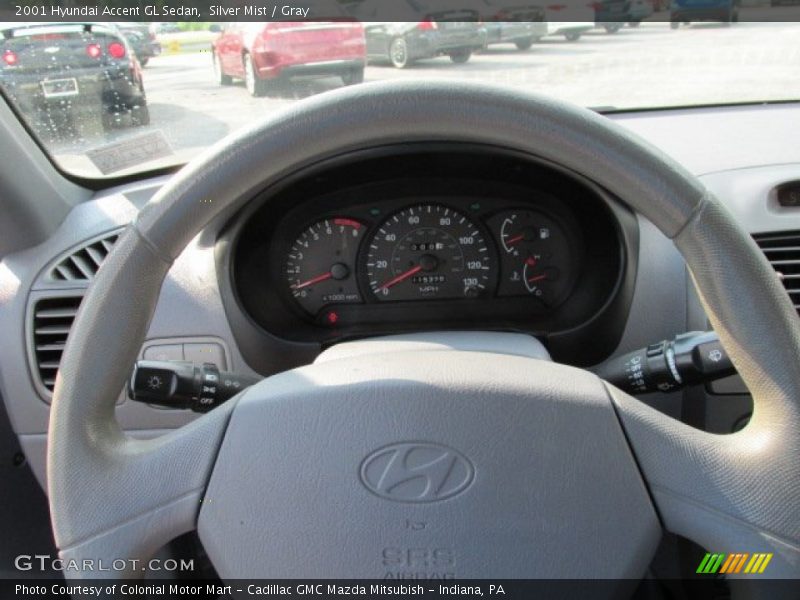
(106, 100)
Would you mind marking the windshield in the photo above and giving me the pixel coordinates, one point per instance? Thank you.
(111, 99)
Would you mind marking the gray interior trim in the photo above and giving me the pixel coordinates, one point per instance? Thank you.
(721, 138)
(658, 311)
(512, 344)
(750, 195)
(30, 212)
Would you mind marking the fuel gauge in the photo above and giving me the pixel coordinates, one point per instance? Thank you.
(516, 234)
(536, 255)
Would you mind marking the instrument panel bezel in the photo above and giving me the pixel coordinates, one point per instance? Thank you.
(258, 302)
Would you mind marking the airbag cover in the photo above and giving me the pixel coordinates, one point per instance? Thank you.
(427, 465)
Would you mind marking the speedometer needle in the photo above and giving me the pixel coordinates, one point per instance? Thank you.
(401, 277)
(312, 281)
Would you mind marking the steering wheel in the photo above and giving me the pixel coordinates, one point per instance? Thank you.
(463, 462)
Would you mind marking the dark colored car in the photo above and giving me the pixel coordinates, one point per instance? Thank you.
(142, 39)
(260, 53)
(426, 33)
(72, 71)
(508, 22)
(612, 14)
(640, 10)
(686, 11)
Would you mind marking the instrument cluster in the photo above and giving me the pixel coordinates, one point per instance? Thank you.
(443, 238)
(429, 251)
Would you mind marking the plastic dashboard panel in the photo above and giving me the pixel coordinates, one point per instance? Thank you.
(190, 310)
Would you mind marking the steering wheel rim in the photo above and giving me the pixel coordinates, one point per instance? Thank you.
(730, 493)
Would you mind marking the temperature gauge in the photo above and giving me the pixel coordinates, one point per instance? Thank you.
(535, 255)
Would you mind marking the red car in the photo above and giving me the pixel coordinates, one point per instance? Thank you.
(260, 53)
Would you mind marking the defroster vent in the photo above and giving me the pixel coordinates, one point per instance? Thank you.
(83, 263)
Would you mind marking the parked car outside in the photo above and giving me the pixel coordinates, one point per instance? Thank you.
(511, 22)
(569, 18)
(640, 10)
(422, 33)
(571, 30)
(686, 11)
(62, 72)
(261, 53)
(142, 39)
(611, 15)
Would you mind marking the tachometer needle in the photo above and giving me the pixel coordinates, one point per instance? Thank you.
(312, 281)
(401, 277)
(536, 278)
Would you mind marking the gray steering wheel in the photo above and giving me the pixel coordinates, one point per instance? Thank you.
(519, 463)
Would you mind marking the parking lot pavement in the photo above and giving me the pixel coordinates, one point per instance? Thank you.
(651, 65)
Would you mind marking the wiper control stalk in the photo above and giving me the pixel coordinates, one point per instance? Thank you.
(690, 358)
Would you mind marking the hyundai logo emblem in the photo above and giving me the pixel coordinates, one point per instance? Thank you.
(416, 472)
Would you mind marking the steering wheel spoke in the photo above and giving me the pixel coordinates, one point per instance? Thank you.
(711, 488)
(137, 495)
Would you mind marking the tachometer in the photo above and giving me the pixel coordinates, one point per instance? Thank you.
(428, 251)
(320, 267)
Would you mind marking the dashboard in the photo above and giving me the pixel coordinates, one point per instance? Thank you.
(231, 286)
(433, 236)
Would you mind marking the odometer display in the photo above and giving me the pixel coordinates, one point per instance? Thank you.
(428, 251)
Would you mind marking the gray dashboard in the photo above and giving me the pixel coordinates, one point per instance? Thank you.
(740, 153)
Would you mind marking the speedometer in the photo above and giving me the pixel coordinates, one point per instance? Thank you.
(428, 251)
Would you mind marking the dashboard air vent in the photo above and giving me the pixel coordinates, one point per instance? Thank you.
(52, 319)
(82, 264)
(783, 252)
